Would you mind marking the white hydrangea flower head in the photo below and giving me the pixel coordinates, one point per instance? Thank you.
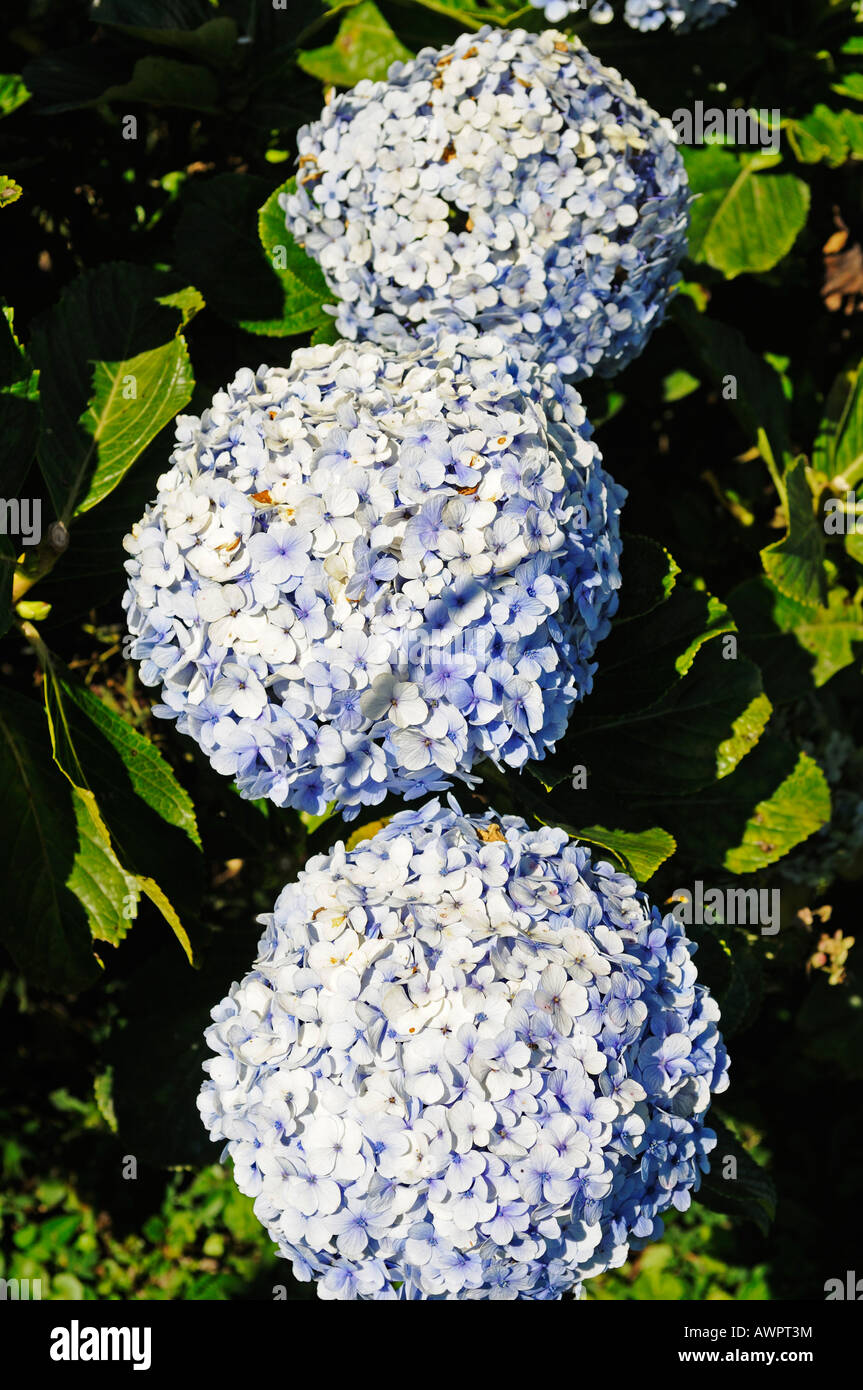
(645, 15)
(367, 570)
(508, 183)
(468, 1062)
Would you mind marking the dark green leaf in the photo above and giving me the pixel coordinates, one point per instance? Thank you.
(218, 245)
(103, 867)
(185, 25)
(643, 659)
(736, 1184)
(749, 384)
(42, 924)
(772, 802)
(648, 573)
(167, 82)
(786, 668)
(678, 744)
(109, 315)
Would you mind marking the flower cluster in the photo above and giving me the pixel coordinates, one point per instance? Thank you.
(510, 182)
(468, 1062)
(365, 571)
(642, 14)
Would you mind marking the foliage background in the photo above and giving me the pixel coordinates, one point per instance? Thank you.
(149, 255)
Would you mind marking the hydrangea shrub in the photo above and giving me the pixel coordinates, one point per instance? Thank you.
(510, 183)
(468, 1062)
(365, 571)
(645, 15)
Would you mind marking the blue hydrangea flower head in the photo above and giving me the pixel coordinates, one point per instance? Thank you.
(642, 14)
(469, 1061)
(366, 571)
(508, 183)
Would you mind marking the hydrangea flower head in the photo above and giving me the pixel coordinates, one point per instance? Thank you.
(468, 1062)
(511, 182)
(642, 14)
(366, 571)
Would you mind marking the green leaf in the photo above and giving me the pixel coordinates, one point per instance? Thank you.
(854, 546)
(131, 402)
(13, 93)
(151, 776)
(851, 85)
(750, 385)
(226, 243)
(325, 333)
(838, 449)
(747, 218)
(99, 875)
(641, 851)
(365, 47)
(43, 926)
(795, 564)
(799, 806)
(746, 731)
(103, 1095)
(774, 800)
(749, 1194)
(10, 191)
(109, 894)
(112, 315)
(852, 129)
(829, 634)
(821, 136)
(150, 887)
(303, 285)
(678, 385)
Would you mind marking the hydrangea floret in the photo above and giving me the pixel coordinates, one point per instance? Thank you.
(366, 571)
(645, 15)
(469, 1061)
(510, 183)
